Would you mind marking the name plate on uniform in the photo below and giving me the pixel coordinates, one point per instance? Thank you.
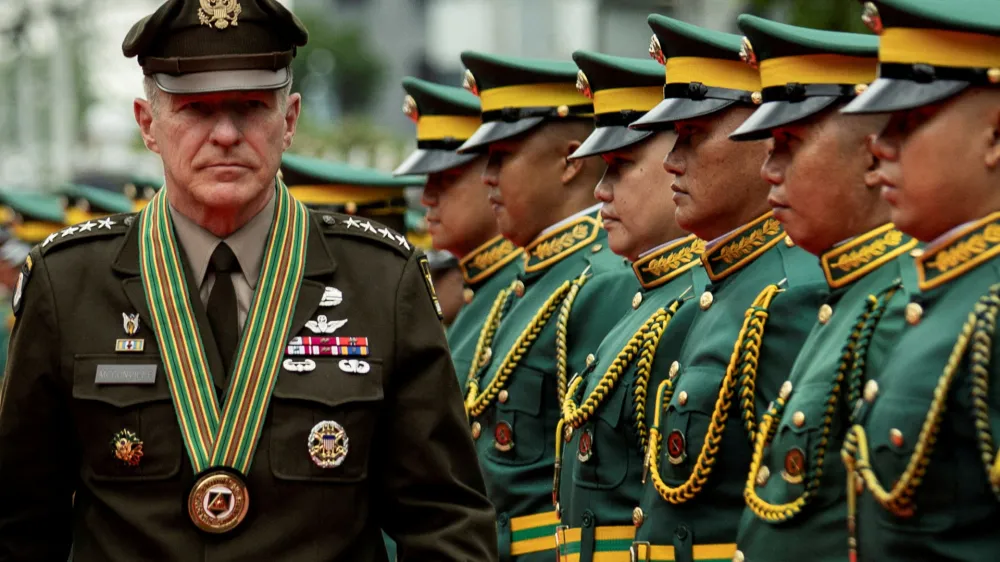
(125, 374)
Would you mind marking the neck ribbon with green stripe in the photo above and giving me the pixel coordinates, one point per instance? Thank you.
(227, 437)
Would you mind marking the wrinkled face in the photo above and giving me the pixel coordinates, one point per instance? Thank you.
(937, 164)
(638, 210)
(816, 168)
(459, 217)
(523, 176)
(221, 150)
(716, 179)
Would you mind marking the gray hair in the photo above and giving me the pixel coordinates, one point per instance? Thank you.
(154, 94)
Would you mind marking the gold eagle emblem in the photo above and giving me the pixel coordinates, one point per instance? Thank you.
(219, 14)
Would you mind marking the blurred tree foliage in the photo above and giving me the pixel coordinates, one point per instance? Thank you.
(834, 15)
(356, 70)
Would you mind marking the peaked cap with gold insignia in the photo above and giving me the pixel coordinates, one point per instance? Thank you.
(623, 90)
(201, 46)
(930, 50)
(803, 71)
(704, 72)
(85, 202)
(31, 216)
(518, 94)
(446, 117)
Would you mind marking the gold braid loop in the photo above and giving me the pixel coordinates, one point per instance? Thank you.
(720, 415)
(644, 369)
(979, 367)
(749, 354)
(562, 332)
(851, 356)
(486, 334)
(856, 454)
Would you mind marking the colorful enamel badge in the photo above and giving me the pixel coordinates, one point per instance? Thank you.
(795, 464)
(503, 437)
(127, 447)
(328, 444)
(585, 448)
(130, 322)
(676, 447)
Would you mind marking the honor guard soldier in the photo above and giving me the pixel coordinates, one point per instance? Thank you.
(85, 203)
(459, 217)
(352, 190)
(756, 300)
(565, 299)
(824, 195)
(923, 473)
(227, 375)
(30, 216)
(601, 440)
(141, 189)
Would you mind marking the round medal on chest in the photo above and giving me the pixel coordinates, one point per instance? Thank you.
(218, 502)
(676, 447)
(585, 447)
(503, 437)
(328, 444)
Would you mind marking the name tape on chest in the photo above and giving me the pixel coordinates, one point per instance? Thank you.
(125, 374)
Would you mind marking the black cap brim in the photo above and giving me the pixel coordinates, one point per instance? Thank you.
(494, 131)
(887, 95)
(678, 109)
(607, 139)
(779, 113)
(430, 161)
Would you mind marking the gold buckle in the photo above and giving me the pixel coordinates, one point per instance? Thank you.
(633, 551)
(560, 540)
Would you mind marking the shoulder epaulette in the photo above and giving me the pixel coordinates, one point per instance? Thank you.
(348, 225)
(114, 225)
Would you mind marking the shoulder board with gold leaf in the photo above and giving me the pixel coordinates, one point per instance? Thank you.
(350, 225)
(113, 225)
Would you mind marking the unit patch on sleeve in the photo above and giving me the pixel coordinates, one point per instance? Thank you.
(22, 281)
(425, 267)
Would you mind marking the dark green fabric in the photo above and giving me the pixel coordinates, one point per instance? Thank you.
(437, 99)
(496, 71)
(605, 72)
(771, 39)
(303, 170)
(682, 39)
(99, 200)
(34, 205)
(713, 515)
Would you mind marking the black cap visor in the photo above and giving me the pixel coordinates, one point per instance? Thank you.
(887, 95)
(607, 139)
(494, 131)
(678, 109)
(779, 113)
(429, 161)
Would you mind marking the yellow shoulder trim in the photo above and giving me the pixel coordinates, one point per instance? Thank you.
(487, 259)
(849, 262)
(668, 262)
(742, 247)
(959, 253)
(559, 243)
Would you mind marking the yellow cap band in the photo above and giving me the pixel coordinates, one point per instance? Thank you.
(817, 69)
(716, 73)
(139, 204)
(343, 194)
(627, 99)
(439, 127)
(34, 232)
(76, 216)
(532, 95)
(939, 48)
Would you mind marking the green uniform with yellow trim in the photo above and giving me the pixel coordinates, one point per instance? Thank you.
(602, 437)
(795, 490)
(352, 190)
(446, 117)
(540, 329)
(747, 329)
(923, 447)
(140, 189)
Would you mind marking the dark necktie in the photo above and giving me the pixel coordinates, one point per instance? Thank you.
(223, 313)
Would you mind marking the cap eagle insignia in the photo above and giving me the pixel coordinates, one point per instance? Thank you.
(219, 14)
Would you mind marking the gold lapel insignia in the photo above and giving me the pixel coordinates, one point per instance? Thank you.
(961, 252)
(849, 262)
(487, 259)
(742, 247)
(668, 262)
(561, 242)
(219, 14)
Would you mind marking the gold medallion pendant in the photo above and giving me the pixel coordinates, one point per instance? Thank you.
(218, 502)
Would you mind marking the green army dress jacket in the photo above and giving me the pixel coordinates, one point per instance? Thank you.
(410, 467)
(796, 498)
(925, 444)
(538, 334)
(605, 415)
(486, 271)
(755, 310)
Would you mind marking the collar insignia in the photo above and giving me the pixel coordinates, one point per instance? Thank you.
(742, 247)
(556, 245)
(668, 262)
(849, 262)
(487, 259)
(959, 253)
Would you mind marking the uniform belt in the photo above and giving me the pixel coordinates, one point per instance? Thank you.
(611, 544)
(644, 552)
(533, 533)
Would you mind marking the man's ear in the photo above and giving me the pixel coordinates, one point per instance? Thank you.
(292, 111)
(571, 168)
(144, 117)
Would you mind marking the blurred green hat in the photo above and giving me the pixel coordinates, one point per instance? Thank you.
(84, 202)
(31, 216)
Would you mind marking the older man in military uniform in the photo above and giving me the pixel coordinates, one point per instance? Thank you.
(459, 217)
(570, 289)
(227, 376)
(923, 472)
(826, 198)
(753, 296)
